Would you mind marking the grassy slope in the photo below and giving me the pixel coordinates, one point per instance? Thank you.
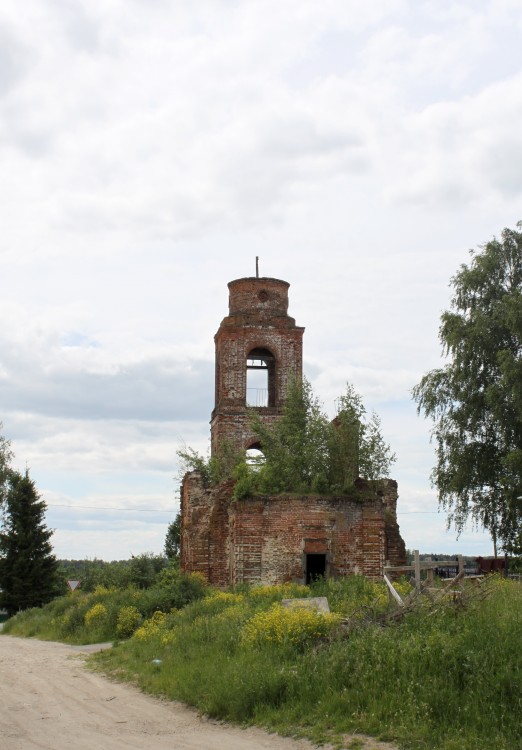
(450, 680)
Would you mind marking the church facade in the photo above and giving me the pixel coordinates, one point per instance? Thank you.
(274, 539)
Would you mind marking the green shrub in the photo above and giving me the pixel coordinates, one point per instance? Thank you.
(128, 620)
(151, 628)
(95, 616)
(90, 617)
(282, 626)
(438, 680)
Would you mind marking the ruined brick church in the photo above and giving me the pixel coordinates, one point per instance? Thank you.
(274, 539)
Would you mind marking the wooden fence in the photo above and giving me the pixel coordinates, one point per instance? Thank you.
(419, 566)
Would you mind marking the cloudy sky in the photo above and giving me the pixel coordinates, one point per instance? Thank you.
(150, 149)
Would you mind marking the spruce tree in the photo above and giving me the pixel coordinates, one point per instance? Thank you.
(28, 568)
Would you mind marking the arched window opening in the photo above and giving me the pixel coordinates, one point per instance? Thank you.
(255, 458)
(260, 386)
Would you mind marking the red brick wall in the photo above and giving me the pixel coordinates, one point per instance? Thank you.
(204, 529)
(257, 319)
(395, 550)
(265, 539)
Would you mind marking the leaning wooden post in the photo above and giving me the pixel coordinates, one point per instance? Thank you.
(416, 562)
(392, 592)
(461, 564)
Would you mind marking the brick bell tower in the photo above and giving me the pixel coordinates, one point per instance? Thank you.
(259, 350)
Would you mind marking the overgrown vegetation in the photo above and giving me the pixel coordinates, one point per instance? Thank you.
(303, 451)
(448, 678)
(475, 400)
(106, 614)
(140, 571)
(172, 546)
(28, 569)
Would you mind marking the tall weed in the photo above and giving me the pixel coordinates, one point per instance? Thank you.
(444, 680)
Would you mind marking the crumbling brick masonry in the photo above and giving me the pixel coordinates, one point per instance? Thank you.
(286, 538)
(283, 538)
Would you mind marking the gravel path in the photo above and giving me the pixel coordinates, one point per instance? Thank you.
(50, 701)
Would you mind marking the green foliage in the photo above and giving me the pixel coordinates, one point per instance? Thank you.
(191, 460)
(444, 680)
(296, 446)
(247, 480)
(344, 441)
(141, 571)
(173, 539)
(152, 627)
(375, 456)
(438, 680)
(288, 628)
(173, 590)
(475, 401)
(213, 469)
(145, 568)
(94, 573)
(107, 613)
(128, 620)
(306, 453)
(28, 568)
(95, 616)
(357, 444)
(5, 462)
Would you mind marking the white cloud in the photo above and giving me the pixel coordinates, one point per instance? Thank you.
(151, 150)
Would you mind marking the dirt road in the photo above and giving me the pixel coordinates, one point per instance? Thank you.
(50, 701)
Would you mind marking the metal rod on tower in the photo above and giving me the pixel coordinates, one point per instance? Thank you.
(257, 266)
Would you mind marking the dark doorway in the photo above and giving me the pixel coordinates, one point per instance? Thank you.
(315, 567)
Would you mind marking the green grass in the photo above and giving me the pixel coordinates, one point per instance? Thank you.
(66, 618)
(444, 680)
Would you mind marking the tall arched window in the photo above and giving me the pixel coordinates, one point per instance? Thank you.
(260, 387)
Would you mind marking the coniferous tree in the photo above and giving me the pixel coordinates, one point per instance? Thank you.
(28, 568)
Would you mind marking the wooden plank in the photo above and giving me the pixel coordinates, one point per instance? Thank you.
(393, 592)
(417, 569)
(424, 565)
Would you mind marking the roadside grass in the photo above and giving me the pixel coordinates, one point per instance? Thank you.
(105, 614)
(448, 678)
(445, 680)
